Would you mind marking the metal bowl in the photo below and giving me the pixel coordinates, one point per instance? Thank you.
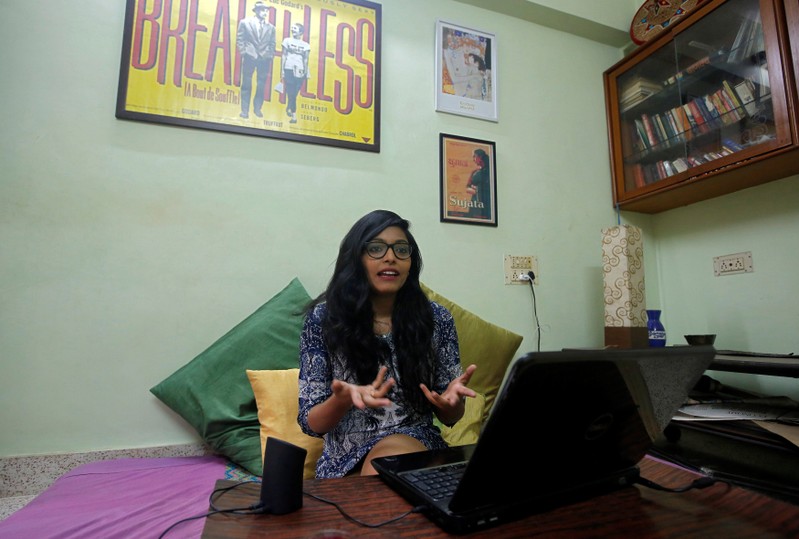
(698, 340)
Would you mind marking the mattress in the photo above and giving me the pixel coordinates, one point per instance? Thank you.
(125, 498)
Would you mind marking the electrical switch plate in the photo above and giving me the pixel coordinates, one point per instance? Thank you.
(733, 264)
(516, 266)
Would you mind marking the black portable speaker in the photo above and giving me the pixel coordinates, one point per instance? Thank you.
(281, 486)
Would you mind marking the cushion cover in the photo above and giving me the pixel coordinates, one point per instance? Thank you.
(277, 395)
(212, 392)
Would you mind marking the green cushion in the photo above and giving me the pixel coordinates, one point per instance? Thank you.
(212, 392)
(487, 345)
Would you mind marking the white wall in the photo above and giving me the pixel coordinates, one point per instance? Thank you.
(753, 311)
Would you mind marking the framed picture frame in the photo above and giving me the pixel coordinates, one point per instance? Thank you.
(302, 71)
(466, 71)
(468, 180)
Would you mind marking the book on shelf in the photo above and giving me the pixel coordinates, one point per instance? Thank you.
(711, 108)
(663, 132)
(650, 131)
(745, 91)
(638, 175)
(704, 112)
(661, 170)
(696, 113)
(690, 115)
(649, 175)
(732, 110)
(695, 66)
(636, 91)
(694, 160)
(729, 143)
(637, 86)
(675, 128)
(631, 141)
(730, 94)
(709, 112)
(681, 164)
(726, 115)
(685, 124)
(641, 132)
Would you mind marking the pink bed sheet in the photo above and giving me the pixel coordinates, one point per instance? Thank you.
(123, 498)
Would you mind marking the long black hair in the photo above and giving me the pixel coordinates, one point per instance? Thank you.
(348, 327)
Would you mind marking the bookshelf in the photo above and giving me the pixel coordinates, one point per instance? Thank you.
(707, 107)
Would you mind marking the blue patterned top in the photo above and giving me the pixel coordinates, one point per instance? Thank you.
(359, 430)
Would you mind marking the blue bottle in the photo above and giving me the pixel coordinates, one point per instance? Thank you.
(655, 329)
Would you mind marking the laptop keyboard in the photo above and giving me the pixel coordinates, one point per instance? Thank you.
(440, 482)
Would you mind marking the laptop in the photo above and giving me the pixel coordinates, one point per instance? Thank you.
(566, 426)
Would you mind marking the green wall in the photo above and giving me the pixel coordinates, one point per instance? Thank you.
(127, 248)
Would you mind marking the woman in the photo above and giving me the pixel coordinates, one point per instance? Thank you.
(377, 358)
(479, 186)
(294, 67)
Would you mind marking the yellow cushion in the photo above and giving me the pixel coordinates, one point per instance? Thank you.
(277, 397)
(467, 429)
(488, 346)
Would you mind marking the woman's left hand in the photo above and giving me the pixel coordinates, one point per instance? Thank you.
(451, 401)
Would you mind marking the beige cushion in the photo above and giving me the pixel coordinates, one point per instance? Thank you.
(277, 397)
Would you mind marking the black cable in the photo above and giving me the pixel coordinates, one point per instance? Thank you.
(417, 509)
(531, 275)
(254, 509)
(250, 510)
(258, 508)
(702, 482)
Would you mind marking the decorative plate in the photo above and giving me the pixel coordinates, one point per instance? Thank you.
(655, 15)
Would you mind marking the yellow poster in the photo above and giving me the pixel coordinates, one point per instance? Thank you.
(299, 70)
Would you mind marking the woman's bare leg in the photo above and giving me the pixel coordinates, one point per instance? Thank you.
(395, 444)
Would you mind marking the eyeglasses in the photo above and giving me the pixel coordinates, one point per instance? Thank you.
(378, 249)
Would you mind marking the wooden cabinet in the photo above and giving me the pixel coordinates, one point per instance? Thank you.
(706, 108)
(792, 21)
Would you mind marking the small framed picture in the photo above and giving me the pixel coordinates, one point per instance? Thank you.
(468, 180)
(466, 72)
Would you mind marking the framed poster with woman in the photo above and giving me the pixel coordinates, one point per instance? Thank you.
(468, 180)
(466, 72)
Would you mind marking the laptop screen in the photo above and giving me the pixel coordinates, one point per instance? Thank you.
(576, 416)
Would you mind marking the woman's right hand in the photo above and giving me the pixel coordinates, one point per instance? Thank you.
(367, 396)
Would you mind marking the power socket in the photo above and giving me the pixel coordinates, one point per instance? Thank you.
(733, 264)
(517, 268)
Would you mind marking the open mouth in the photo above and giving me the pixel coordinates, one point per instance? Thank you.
(388, 273)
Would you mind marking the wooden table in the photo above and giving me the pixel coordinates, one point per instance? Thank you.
(721, 511)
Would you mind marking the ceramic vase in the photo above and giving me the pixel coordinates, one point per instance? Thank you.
(655, 329)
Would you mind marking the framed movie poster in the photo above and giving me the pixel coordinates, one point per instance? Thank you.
(305, 71)
(468, 180)
(466, 71)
